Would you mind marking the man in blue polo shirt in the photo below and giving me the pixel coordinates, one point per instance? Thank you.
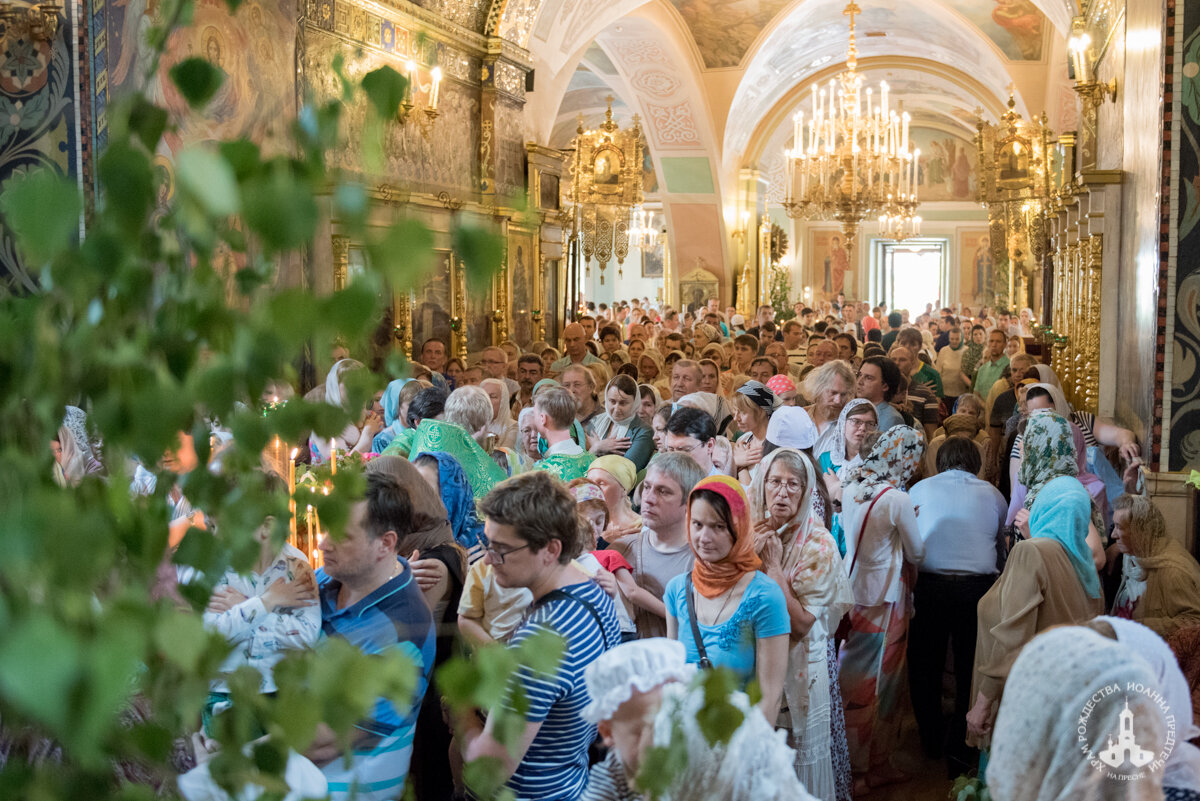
(371, 599)
(532, 531)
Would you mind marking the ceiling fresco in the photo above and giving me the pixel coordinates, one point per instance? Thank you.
(724, 29)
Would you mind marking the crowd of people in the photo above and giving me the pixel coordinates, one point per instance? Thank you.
(855, 511)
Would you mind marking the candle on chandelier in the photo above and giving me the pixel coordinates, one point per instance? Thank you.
(904, 137)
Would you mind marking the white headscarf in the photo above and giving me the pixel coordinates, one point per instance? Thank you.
(502, 421)
(333, 381)
(1036, 754)
(1060, 400)
(1183, 767)
(837, 449)
(713, 405)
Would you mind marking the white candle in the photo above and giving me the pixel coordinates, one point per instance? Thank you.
(433, 93)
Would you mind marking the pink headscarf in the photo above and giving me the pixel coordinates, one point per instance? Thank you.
(780, 384)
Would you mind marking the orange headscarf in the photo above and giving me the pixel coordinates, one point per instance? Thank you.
(714, 578)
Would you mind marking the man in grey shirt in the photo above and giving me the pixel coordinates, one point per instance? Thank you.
(660, 551)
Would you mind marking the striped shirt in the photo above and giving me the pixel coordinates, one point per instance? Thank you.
(393, 619)
(555, 767)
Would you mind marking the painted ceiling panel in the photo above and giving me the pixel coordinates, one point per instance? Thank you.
(687, 175)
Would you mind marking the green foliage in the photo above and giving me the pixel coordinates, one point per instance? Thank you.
(969, 788)
(781, 294)
(142, 325)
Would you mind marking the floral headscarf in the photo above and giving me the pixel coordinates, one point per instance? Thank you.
(837, 451)
(711, 579)
(1047, 452)
(891, 463)
(760, 395)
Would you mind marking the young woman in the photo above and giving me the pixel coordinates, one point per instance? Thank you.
(453, 371)
(740, 613)
(618, 429)
(648, 401)
(752, 407)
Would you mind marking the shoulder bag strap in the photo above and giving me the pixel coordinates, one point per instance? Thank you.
(705, 662)
(560, 595)
(862, 529)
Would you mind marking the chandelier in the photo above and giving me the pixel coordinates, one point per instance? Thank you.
(606, 185)
(898, 220)
(643, 235)
(852, 160)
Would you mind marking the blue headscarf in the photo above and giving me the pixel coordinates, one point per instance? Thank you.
(1062, 512)
(459, 501)
(391, 415)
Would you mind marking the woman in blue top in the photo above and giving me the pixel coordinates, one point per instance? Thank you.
(741, 613)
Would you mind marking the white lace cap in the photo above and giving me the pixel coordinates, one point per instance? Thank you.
(640, 665)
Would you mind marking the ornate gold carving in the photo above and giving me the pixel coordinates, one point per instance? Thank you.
(402, 330)
(341, 261)
(458, 328)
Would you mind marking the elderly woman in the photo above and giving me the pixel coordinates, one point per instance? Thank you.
(857, 419)
(618, 429)
(467, 412)
(956, 425)
(752, 407)
(726, 612)
(801, 556)
(1048, 580)
(503, 427)
(883, 546)
(1160, 580)
(828, 388)
(648, 401)
(652, 371)
(615, 476)
(1044, 746)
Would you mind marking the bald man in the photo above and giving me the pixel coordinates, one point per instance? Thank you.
(575, 345)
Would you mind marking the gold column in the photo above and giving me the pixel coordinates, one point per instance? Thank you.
(458, 331)
(764, 262)
(1090, 396)
(501, 314)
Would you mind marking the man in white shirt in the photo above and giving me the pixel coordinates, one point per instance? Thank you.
(554, 411)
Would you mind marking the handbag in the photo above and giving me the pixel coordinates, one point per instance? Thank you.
(705, 662)
(843, 629)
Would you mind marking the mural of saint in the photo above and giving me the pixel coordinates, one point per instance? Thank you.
(983, 265)
(605, 170)
(840, 258)
(522, 328)
(1023, 22)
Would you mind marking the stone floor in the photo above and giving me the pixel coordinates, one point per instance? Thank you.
(929, 781)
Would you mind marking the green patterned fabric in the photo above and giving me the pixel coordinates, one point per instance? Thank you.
(971, 359)
(566, 467)
(439, 436)
(1047, 452)
(401, 445)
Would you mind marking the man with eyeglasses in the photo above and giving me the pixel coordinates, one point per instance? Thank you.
(532, 531)
(660, 551)
(693, 432)
(494, 362)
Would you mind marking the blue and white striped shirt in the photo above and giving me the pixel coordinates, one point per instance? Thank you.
(392, 619)
(555, 767)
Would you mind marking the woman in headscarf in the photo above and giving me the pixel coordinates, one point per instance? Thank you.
(652, 371)
(801, 556)
(752, 404)
(74, 457)
(615, 476)
(503, 427)
(1014, 346)
(359, 434)
(395, 402)
(883, 547)
(714, 406)
(439, 565)
(1160, 580)
(740, 613)
(648, 401)
(1183, 766)
(1048, 580)
(974, 354)
(443, 472)
(956, 425)
(784, 388)
(1054, 724)
(1049, 450)
(618, 429)
(858, 418)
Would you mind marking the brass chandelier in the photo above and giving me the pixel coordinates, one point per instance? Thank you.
(852, 160)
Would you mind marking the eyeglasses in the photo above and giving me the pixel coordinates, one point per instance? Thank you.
(859, 422)
(684, 448)
(498, 557)
(778, 484)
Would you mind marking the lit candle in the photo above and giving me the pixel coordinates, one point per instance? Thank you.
(411, 70)
(433, 93)
(904, 138)
(333, 457)
(291, 479)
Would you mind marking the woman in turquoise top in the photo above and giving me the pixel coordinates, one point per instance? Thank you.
(858, 418)
(741, 612)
